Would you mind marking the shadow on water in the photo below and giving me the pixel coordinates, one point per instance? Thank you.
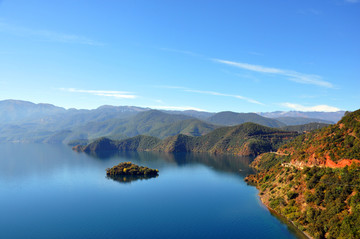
(222, 163)
(293, 229)
(130, 178)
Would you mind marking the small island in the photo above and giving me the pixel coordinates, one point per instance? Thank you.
(130, 169)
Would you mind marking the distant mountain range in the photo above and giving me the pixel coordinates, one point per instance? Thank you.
(231, 118)
(22, 121)
(332, 117)
(303, 128)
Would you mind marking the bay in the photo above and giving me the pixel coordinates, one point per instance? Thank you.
(50, 191)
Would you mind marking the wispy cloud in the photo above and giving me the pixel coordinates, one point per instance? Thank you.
(181, 88)
(291, 75)
(242, 76)
(176, 108)
(47, 35)
(107, 93)
(226, 95)
(298, 107)
(185, 89)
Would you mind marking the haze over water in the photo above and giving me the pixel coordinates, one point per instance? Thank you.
(50, 191)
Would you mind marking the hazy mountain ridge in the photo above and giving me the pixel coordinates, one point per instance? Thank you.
(23, 121)
(289, 121)
(248, 139)
(232, 118)
(305, 127)
(16, 111)
(330, 116)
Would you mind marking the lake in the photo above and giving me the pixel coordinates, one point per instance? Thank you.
(49, 191)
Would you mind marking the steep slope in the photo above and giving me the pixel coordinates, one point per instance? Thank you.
(335, 144)
(314, 180)
(231, 118)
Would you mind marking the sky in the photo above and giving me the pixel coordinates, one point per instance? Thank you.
(218, 55)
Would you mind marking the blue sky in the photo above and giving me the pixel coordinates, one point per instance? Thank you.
(243, 56)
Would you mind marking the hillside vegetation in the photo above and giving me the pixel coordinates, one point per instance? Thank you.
(247, 139)
(304, 128)
(314, 180)
(333, 144)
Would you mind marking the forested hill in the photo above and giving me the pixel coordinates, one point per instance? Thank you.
(332, 146)
(314, 180)
(246, 139)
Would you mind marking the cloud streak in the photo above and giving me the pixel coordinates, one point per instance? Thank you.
(107, 93)
(226, 95)
(47, 35)
(291, 75)
(181, 88)
(322, 108)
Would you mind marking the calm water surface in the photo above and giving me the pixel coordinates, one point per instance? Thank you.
(49, 191)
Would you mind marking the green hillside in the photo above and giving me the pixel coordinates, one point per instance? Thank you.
(231, 118)
(246, 139)
(335, 142)
(314, 180)
(137, 143)
(191, 127)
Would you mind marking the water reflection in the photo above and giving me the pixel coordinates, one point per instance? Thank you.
(19, 162)
(130, 178)
(222, 163)
(189, 200)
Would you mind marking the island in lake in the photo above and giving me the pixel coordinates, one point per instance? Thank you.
(130, 169)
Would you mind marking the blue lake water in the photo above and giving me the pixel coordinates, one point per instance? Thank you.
(49, 191)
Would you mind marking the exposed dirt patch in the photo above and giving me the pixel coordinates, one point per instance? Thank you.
(342, 163)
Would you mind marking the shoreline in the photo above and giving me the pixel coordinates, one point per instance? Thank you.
(282, 217)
